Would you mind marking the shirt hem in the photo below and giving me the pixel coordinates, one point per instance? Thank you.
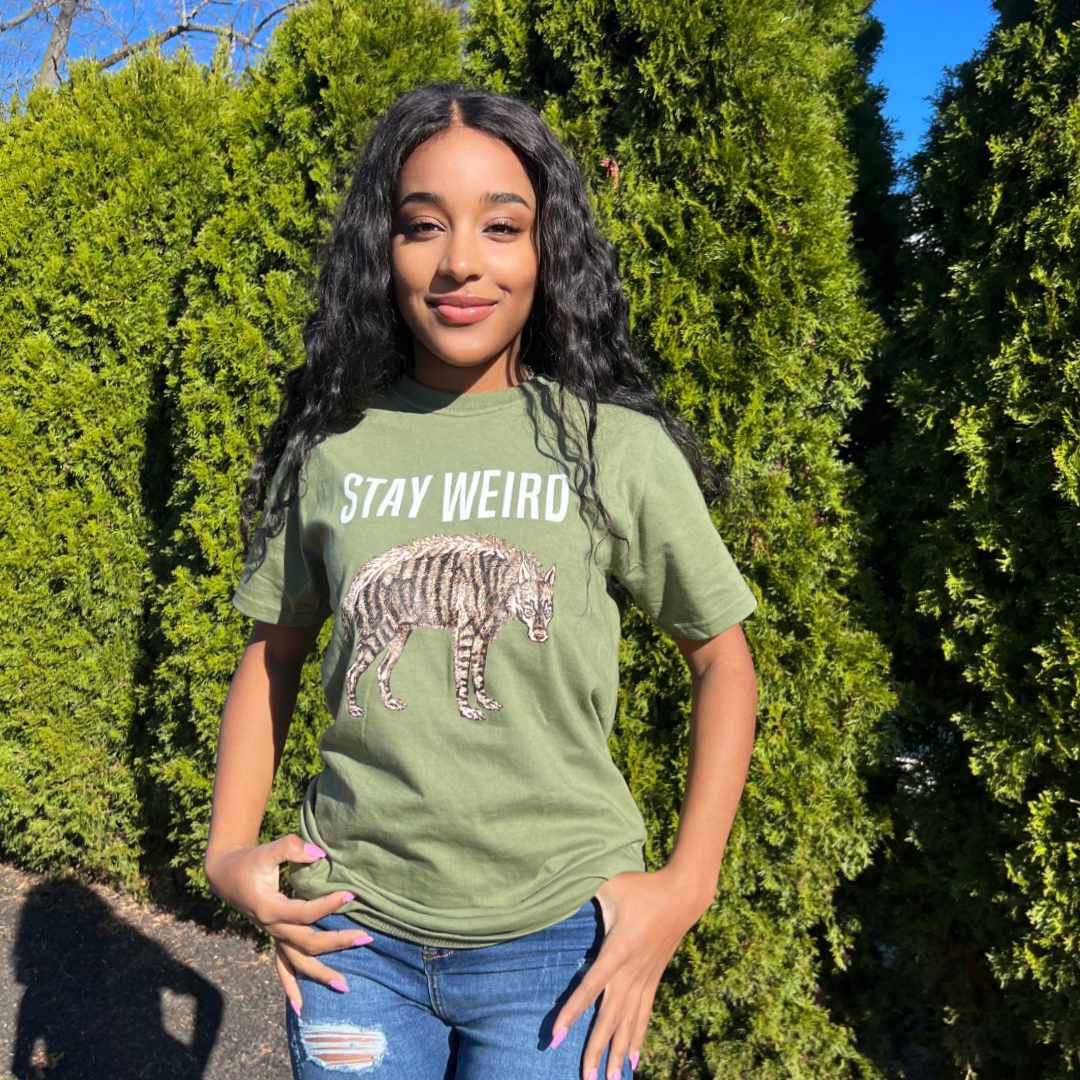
(272, 613)
(597, 879)
(704, 629)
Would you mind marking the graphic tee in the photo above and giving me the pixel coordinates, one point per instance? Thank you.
(468, 795)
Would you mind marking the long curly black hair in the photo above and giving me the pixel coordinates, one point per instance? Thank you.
(357, 343)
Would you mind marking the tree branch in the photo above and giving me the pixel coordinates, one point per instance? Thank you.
(29, 13)
(276, 11)
(187, 26)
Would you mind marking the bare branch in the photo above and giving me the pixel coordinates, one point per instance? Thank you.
(64, 16)
(29, 13)
(168, 35)
(276, 11)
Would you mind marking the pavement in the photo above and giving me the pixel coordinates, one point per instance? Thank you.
(99, 987)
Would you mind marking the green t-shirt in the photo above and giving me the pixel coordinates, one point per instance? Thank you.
(468, 794)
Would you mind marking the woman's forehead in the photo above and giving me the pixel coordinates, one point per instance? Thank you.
(463, 162)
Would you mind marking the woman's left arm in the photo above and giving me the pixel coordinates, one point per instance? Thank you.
(647, 914)
(723, 723)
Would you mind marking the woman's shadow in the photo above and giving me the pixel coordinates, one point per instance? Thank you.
(93, 1004)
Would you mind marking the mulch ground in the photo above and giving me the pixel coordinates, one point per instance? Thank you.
(101, 988)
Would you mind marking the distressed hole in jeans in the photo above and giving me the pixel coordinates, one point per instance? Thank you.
(342, 1046)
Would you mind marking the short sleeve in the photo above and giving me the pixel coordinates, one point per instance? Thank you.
(677, 568)
(289, 586)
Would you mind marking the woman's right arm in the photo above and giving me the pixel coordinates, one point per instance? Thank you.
(245, 874)
(254, 726)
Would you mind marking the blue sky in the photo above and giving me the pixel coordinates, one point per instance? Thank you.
(922, 37)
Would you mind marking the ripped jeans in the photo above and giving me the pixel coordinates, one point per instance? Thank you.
(418, 1012)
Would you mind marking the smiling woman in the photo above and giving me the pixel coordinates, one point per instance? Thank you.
(463, 255)
(465, 526)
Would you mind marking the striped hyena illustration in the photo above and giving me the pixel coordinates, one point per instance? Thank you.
(463, 582)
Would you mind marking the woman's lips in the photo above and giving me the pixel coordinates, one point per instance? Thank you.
(460, 316)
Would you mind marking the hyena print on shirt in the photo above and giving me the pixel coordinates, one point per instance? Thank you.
(465, 583)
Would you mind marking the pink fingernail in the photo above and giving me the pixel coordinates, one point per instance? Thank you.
(634, 1058)
(314, 851)
(347, 896)
(592, 1075)
(339, 985)
(363, 939)
(560, 1034)
(295, 1007)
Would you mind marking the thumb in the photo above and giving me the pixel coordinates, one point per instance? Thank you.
(293, 848)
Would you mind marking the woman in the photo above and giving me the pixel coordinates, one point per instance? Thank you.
(469, 463)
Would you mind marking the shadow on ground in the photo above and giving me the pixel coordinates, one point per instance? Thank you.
(99, 987)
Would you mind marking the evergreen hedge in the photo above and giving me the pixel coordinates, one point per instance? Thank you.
(103, 185)
(973, 915)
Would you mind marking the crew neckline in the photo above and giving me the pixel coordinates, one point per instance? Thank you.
(423, 398)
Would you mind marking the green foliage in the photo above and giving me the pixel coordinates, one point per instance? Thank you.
(978, 504)
(102, 185)
(735, 250)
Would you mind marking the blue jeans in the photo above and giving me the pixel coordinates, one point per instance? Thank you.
(418, 1012)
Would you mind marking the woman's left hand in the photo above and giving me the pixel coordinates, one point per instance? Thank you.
(646, 915)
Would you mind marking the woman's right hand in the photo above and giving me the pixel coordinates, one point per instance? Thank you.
(247, 879)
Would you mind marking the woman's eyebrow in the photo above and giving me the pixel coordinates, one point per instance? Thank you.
(490, 197)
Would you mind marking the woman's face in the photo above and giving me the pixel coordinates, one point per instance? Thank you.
(464, 224)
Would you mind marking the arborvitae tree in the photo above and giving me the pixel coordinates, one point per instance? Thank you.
(103, 184)
(735, 246)
(291, 134)
(976, 912)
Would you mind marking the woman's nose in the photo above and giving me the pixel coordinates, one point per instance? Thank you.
(460, 258)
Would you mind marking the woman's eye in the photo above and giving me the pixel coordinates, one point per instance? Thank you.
(506, 228)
